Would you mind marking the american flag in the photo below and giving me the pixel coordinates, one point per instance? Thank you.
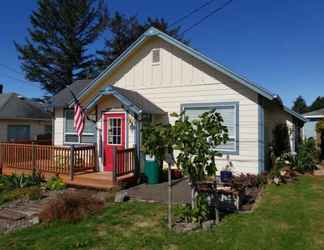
(79, 118)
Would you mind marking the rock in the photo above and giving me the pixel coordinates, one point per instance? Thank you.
(121, 196)
(276, 180)
(207, 225)
(186, 227)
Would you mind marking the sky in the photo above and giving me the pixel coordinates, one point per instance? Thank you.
(278, 44)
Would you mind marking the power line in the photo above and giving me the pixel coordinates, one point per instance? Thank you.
(207, 16)
(18, 73)
(10, 69)
(191, 13)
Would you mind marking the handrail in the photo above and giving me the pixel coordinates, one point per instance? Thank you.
(49, 158)
(124, 162)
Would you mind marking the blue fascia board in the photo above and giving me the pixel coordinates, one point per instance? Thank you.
(110, 91)
(151, 32)
(295, 114)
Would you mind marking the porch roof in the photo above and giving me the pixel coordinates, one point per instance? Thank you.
(131, 100)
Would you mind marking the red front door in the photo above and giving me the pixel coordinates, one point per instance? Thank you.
(114, 136)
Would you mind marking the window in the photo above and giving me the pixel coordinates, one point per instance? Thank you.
(114, 131)
(156, 56)
(229, 112)
(70, 135)
(18, 132)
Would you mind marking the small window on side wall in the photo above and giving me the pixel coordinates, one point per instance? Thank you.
(156, 56)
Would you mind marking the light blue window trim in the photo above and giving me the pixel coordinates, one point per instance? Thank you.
(261, 141)
(234, 131)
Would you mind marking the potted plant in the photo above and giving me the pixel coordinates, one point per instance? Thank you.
(226, 173)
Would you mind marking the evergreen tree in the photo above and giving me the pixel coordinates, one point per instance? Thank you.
(300, 105)
(125, 30)
(317, 104)
(55, 51)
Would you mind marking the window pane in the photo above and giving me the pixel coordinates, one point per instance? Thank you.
(90, 126)
(18, 132)
(228, 114)
(69, 114)
(91, 139)
(71, 138)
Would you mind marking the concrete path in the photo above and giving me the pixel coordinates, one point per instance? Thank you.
(181, 192)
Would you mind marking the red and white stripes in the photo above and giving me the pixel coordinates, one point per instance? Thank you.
(79, 119)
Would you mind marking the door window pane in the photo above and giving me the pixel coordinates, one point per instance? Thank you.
(114, 131)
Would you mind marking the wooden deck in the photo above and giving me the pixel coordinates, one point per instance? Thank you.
(76, 165)
(95, 180)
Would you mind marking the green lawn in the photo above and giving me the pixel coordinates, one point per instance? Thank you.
(288, 217)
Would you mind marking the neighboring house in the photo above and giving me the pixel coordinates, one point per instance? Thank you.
(22, 119)
(309, 131)
(158, 75)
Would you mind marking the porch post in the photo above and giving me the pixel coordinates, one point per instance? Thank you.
(138, 144)
(33, 157)
(114, 168)
(71, 165)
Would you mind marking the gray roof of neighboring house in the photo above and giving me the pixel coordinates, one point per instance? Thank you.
(14, 107)
(64, 97)
(318, 112)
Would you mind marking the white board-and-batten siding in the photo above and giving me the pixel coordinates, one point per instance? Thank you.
(181, 79)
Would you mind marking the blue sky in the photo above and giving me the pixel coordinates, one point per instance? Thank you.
(278, 44)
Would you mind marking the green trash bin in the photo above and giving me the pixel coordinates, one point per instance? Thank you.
(151, 170)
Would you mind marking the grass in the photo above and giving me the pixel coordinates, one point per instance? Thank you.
(288, 217)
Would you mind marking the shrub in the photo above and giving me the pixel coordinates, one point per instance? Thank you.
(22, 181)
(197, 214)
(55, 183)
(71, 207)
(280, 139)
(30, 193)
(307, 156)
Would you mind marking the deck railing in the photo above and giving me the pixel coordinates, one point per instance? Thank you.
(124, 162)
(48, 158)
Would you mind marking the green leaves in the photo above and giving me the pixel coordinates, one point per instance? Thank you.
(194, 143)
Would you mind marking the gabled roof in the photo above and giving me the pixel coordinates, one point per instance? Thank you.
(13, 107)
(131, 100)
(64, 97)
(153, 32)
(316, 113)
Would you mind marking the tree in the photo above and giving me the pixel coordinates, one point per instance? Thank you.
(300, 105)
(317, 104)
(55, 52)
(281, 142)
(125, 30)
(196, 144)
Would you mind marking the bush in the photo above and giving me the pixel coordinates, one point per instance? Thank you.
(30, 193)
(22, 181)
(307, 156)
(55, 183)
(71, 207)
(280, 139)
(244, 181)
(199, 213)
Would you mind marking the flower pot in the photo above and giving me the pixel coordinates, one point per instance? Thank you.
(226, 176)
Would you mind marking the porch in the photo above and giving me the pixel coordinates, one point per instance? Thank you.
(75, 165)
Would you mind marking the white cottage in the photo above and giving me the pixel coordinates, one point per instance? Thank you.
(159, 75)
